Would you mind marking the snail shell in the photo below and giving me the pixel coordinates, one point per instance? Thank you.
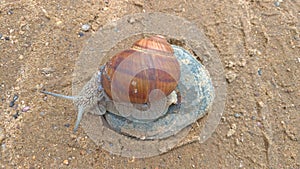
(149, 64)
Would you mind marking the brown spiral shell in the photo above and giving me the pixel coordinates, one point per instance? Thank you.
(162, 70)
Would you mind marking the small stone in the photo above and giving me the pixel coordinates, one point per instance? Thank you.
(42, 113)
(11, 104)
(85, 27)
(230, 132)
(15, 98)
(3, 146)
(1, 35)
(73, 136)
(47, 70)
(67, 125)
(10, 12)
(259, 124)
(54, 127)
(7, 38)
(105, 8)
(2, 136)
(25, 109)
(277, 4)
(230, 64)
(21, 57)
(131, 20)
(237, 115)
(233, 126)
(223, 119)
(261, 104)
(58, 23)
(80, 34)
(66, 162)
(259, 72)
(230, 76)
(16, 115)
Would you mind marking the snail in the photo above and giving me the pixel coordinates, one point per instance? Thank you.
(140, 91)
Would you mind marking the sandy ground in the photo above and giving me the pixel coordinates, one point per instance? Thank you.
(258, 43)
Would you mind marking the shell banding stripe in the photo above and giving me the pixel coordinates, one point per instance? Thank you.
(161, 50)
(156, 61)
(149, 64)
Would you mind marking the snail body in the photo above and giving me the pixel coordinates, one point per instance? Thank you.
(150, 64)
(122, 90)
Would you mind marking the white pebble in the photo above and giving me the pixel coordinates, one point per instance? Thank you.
(85, 27)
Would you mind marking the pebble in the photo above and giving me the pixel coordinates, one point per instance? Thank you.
(3, 146)
(10, 12)
(7, 38)
(21, 57)
(67, 125)
(131, 20)
(80, 34)
(261, 104)
(237, 115)
(11, 104)
(277, 4)
(105, 8)
(15, 98)
(1, 35)
(42, 113)
(2, 136)
(259, 72)
(230, 76)
(85, 27)
(47, 70)
(231, 131)
(25, 109)
(66, 162)
(16, 115)
(230, 64)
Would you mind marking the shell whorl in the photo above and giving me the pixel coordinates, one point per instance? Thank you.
(149, 64)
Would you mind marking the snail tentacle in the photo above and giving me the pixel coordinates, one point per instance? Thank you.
(79, 117)
(59, 95)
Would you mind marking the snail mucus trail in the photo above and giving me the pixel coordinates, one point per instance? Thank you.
(130, 76)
